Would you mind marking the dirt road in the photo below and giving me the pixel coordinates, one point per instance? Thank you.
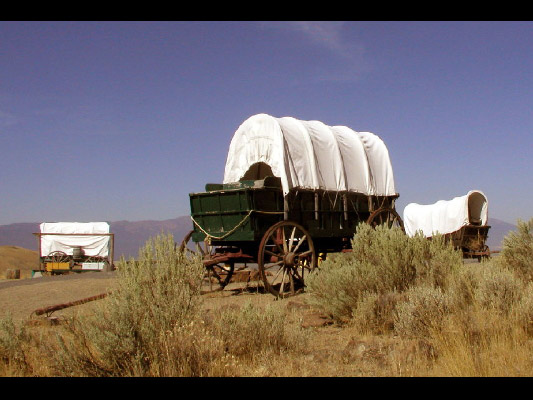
(20, 297)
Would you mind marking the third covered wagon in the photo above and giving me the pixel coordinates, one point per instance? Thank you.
(292, 189)
(66, 247)
(462, 220)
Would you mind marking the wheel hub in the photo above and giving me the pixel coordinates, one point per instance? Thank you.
(289, 259)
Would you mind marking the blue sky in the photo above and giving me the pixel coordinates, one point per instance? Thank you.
(105, 121)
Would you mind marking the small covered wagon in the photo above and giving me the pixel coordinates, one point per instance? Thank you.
(75, 247)
(462, 220)
(292, 190)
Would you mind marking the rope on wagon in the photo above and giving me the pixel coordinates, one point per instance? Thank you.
(209, 236)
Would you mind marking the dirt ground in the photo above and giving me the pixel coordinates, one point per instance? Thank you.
(22, 297)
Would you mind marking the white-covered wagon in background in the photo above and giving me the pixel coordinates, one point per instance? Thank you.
(463, 220)
(75, 246)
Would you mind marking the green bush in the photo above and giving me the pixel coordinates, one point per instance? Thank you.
(156, 294)
(154, 325)
(382, 261)
(517, 250)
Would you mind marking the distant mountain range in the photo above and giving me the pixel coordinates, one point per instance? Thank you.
(132, 235)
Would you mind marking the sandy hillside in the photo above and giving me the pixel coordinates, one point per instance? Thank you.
(13, 257)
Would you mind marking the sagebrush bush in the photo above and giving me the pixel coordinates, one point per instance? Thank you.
(375, 312)
(517, 250)
(382, 261)
(156, 294)
(153, 325)
(498, 288)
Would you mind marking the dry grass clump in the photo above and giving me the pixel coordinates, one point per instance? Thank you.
(252, 330)
(422, 313)
(487, 329)
(12, 354)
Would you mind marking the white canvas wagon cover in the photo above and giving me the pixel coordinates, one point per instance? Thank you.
(97, 244)
(310, 155)
(446, 216)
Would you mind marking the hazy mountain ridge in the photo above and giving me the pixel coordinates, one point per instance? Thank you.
(131, 235)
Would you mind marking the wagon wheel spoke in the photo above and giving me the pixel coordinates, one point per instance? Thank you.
(277, 274)
(296, 275)
(276, 264)
(284, 240)
(283, 280)
(271, 253)
(305, 253)
(302, 240)
(292, 238)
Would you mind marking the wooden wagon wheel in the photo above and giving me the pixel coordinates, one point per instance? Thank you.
(385, 216)
(286, 254)
(220, 272)
(58, 257)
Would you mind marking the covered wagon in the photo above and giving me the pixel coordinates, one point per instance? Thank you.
(462, 220)
(75, 247)
(292, 190)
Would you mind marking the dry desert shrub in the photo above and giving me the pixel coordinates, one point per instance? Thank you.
(13, 340)
(252, 330)
(376, 312)
(484, 330)
(517, 250)
(523, 310)
(498, 289)
(422, 313)
(153, 325)
(126, 336)
(383, 262)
